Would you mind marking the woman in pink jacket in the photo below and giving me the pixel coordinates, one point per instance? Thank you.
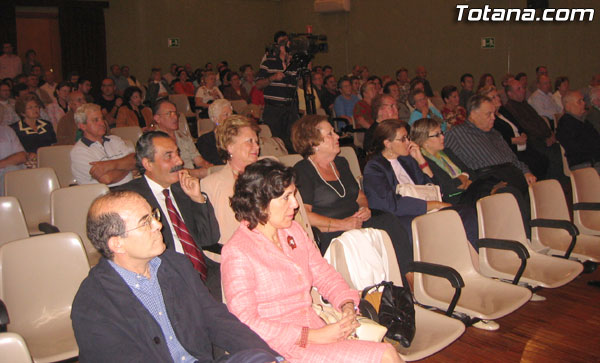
(269, 266)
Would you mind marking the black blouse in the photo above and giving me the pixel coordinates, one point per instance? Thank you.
(32, 140)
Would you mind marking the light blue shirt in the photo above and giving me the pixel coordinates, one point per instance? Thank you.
(417, 115)
(344, 106)
(149, 294)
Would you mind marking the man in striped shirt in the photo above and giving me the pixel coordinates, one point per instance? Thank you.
(278, 81)
(479, 145)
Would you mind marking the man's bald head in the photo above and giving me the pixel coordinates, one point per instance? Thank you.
(573, 103)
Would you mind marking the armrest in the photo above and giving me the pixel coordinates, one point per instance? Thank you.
(558, 224)
(586, 206)
(508, 245)
(4, 320)
(446, 272)
(47, 228)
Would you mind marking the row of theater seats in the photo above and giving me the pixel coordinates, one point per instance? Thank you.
(53, 265)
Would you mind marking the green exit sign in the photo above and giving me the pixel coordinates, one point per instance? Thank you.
(173, 42)
(488, 43)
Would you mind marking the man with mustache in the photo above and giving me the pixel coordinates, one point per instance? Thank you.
(97, 158)
(188, 218)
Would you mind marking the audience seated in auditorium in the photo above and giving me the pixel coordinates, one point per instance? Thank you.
(182, 85)
(33, 82)
(503, 85)
(332, 198)
(172, 75)
(396, 160)
(421, 75)
(48, 88)
(158, 289)
(57, 109)
(585, 91)
(247, 77)
(403, 84)
(384, 107)
(121, 82)
(12, 154)
(166, 118)
(237, 142)
(482, 149)
(356, 83)
(344, 103)
(522, 78)
(593, 115)
(329, 94)
(363, 113)
(391, 88)
(85, 86)
(543, 102)
(33, 131)
(453, 112)
(377, 81)
(272, 294)
(66, 130)
(8, 116)
(30, 62)
(132, 80)
(97, 158)
(218, 111)
(187, 216)
(109, 102)
(316, 79)
(514, 136)
(466, 91)
(209, 91)
(420, 102)
(540, 136)
(235, 91)
(486, 79)
(561, 86)
(10, 64)
(133, 112)
(577, 135)
(158, 88)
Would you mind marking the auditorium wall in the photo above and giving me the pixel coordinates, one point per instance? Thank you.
(383, 34)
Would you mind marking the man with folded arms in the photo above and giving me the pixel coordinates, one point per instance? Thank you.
(144, 304)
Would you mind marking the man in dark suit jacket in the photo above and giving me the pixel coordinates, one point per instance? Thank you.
(158, 159)
(142, 305)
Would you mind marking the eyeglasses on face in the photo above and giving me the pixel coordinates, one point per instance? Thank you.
(403, 139)
(154, 215)
(437, 134)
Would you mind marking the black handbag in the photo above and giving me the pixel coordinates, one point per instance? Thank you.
(396, 311)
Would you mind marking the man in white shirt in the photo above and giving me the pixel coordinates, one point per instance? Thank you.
(10, 64)
(97, 158)
(542, 101)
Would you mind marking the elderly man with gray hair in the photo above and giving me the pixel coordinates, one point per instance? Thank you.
(579, 138)
(97, 158)
(218, 111)
(593, 115)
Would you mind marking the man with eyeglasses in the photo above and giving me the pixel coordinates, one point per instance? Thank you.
(167, 120)
(188, 218)
(143, 303)
(97, 158)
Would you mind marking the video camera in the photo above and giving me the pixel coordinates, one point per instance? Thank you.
(302, 47)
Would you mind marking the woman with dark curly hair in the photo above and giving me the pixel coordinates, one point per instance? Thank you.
(269, 266)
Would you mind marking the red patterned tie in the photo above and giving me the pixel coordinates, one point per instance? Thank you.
(189, 247)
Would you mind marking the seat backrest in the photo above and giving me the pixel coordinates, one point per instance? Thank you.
(13, 349)
(265, 131)
(548, 200)
(499, 217)
(440, 238)
(290, 160)
(272, 146)
(57, 157)
(128, 133)
(239, 106)
(350, 155)
(302, 217)
(32, 187)
(205, 125)
(184, 128)
(12, 222)
(586, 189)
(38, 281)
(338, 261)
(565, 163)
(181, 102)
(68, 212)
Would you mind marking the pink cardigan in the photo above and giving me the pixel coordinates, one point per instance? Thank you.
(269, 290)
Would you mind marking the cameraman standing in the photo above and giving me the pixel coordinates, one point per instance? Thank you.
(279, 82)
